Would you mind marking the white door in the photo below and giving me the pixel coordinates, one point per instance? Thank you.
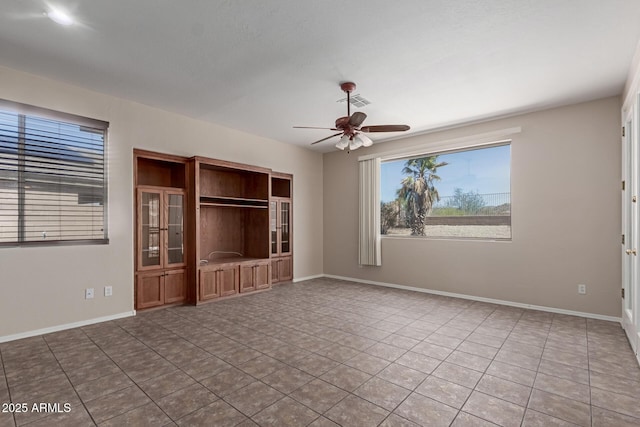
(630, 166)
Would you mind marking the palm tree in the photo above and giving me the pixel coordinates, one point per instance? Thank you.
(418, 190)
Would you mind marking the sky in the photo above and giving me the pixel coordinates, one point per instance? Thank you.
(482, 170)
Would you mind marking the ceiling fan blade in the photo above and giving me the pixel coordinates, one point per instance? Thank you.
(385, 128)
(357, 118)
(329, 137)
(312, 127)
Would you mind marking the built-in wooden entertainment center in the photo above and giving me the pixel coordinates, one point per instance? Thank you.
(208, 229)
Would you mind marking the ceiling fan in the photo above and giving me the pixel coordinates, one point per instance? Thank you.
(350, 126)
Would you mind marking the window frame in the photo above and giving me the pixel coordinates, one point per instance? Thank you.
(486, 140)
(45, 113)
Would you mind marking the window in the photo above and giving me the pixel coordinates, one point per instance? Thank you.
(52, 177)
(450, 194)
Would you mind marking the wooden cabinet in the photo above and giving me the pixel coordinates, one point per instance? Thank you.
(281, 269)
(218, 281)
(155, 288)
(247, 279)
(229, 279)
(203, 228)
(160, 236)
(231, 227)
(223, 280)
(254, 276)
(262, 275)
(280, 224)
(280, 227)
(175, 286)
(208, 285)
(149, 289)
(160, 240)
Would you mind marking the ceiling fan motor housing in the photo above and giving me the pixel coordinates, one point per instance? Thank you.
(348, 86)
(343, 124)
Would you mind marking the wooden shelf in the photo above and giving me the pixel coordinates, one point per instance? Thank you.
(232, 259)
(228, 205)
(237, 202)
(231, 199)
(153, 169)
(232, 215)
(281, 187)
(227, 182)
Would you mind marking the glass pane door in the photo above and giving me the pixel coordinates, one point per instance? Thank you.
(150, 229)
(175, 228)
(285, 215)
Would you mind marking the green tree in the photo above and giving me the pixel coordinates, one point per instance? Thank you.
(418, 190)
(469, 203)
(388, 216)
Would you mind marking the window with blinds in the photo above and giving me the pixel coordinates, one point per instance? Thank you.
(53, 186)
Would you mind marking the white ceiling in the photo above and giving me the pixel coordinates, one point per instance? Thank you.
(265, 66)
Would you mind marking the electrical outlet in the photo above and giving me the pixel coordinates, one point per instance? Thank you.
(88, 293)
(582, 289)
(108, 291)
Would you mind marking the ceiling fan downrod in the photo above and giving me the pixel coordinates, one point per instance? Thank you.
(348, 87)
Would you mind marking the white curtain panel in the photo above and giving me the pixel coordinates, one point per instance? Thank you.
(369, 247)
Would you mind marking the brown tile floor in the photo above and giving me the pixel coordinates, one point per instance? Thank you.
(326, 353)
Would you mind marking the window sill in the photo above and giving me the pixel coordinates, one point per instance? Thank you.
(55, 243)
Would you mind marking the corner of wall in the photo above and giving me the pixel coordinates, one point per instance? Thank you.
(633, 78)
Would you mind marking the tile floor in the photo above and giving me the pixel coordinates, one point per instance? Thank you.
(325, 353)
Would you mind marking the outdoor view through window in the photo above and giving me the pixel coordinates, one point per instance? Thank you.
(461, 194)
(52, 179)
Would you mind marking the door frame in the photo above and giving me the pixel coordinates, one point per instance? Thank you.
(630, 175)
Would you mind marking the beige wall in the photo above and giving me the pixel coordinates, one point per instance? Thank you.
(44, 287)
(565, 193)
(632, 85)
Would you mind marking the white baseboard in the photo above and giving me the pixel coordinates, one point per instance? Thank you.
(481, 299)
(63, 327)
(58, 328)
(302, 279)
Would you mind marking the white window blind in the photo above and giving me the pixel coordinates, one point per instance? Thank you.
(369, 247)
(52, 177)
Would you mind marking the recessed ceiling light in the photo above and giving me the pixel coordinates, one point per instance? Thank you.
(60, 17)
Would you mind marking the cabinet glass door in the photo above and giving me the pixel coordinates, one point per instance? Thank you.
(285, 216)
(273, 226)
(150, 229)
(175, 228)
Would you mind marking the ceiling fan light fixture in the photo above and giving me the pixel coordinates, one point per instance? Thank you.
(60, 17)
(355, 142)
(343, 143)
(366, 141)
